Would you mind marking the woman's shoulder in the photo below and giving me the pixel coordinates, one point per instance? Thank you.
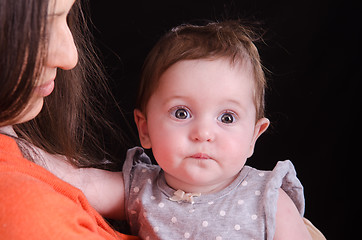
(26, 202)
(25, 196)
(31, 208)
(35, 204)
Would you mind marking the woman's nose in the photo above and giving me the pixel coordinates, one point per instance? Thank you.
(62, 52)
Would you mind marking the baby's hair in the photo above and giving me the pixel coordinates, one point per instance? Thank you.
(228, 39)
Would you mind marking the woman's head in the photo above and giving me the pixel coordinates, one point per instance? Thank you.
(22, 48)
(36, 40)
(227, 40)
(42, 41)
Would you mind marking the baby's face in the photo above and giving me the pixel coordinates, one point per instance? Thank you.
(201, 123)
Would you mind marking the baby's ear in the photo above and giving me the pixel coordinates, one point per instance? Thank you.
(141, 122)
(260, 127)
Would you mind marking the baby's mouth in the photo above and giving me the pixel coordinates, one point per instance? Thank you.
(201, 156)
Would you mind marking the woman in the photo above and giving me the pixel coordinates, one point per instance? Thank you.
(47, 63)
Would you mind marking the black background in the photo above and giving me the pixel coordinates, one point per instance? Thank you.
(312, 49)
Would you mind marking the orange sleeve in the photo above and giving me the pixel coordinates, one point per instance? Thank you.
(31, 209)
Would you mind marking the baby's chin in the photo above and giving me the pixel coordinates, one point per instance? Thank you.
(200, 182)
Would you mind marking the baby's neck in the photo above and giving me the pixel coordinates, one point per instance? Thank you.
(203, 189)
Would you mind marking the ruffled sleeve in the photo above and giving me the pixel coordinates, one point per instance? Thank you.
(134, 155)
(139, 175)
(283, 176)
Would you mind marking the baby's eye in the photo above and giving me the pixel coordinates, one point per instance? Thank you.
(181, 113)
(226, 118)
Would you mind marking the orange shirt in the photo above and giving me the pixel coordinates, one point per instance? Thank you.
(35, 204)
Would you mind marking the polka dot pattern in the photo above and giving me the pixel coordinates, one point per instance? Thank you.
(204, 223)
(231, 215)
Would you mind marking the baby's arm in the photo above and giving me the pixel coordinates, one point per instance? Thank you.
(289, 223)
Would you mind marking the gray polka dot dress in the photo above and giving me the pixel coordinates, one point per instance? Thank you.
(245, 209)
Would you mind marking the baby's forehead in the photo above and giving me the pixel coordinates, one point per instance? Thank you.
(241, 67)
(208, 76)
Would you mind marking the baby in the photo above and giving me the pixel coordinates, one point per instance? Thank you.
(201, 109)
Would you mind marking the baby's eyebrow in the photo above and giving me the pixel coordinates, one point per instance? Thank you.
(177, 97)
(236, 105)
(234, 102)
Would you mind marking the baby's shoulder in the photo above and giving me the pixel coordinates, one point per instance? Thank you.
(283, 176)
(283, 169)
(139, 168)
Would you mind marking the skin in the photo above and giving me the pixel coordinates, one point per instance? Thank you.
(202, 133)
(62, 53)
(203, 153)
(203, 111)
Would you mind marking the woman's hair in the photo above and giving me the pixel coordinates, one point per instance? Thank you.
(22, 52)
(71, 122)
(228, 39)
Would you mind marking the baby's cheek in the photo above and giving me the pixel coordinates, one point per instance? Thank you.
(164, 147)
(235, 148)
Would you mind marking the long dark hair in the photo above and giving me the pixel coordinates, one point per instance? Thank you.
(72, 121)
(21, 51)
